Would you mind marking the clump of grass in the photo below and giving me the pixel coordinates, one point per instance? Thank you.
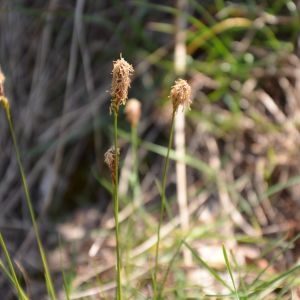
(121, 79)
(5, 104)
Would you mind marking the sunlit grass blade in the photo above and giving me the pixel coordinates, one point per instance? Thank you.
(230, 271)
(276, 188)
(11, 272)
(266, 287)
(208, 268)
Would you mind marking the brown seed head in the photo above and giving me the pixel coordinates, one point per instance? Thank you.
(181, 94)
(133, 111)
(121, 73)
(110, 160)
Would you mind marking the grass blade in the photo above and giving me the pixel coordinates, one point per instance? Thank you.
(11, 272)
(208, 268)
(230, 270)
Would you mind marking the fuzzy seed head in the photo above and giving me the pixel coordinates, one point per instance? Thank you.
(133, 111)
(110, 158)
(121, 80)
(181, 94)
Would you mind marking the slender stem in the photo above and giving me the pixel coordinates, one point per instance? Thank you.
(134, 200)
(134, 142)
(49, 283)
(116, 208)
(12, 275)
(163, 201)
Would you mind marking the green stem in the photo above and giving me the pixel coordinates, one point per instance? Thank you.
(49, 283)
(12, 275)
(163, 201)
(116, 208)
(135, 183)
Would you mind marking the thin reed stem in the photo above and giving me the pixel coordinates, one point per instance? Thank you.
(163, 201)
(116, 207)
(135, 181)
(12, 275)
(49, 283)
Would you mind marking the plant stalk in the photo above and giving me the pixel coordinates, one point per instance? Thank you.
(116, 207)
(135, 181)
(49, 283)
(12, 275)
(163, 201)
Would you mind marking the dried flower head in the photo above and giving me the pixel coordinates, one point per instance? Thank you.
(121, 73)
(110, 160)
(133, 111)
(181, 94)
(2, 79)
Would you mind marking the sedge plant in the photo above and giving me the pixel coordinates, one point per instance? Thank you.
(121, 78)
(5, 104)
(180, 96)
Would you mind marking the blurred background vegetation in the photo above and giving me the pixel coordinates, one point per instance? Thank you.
(242, 138)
